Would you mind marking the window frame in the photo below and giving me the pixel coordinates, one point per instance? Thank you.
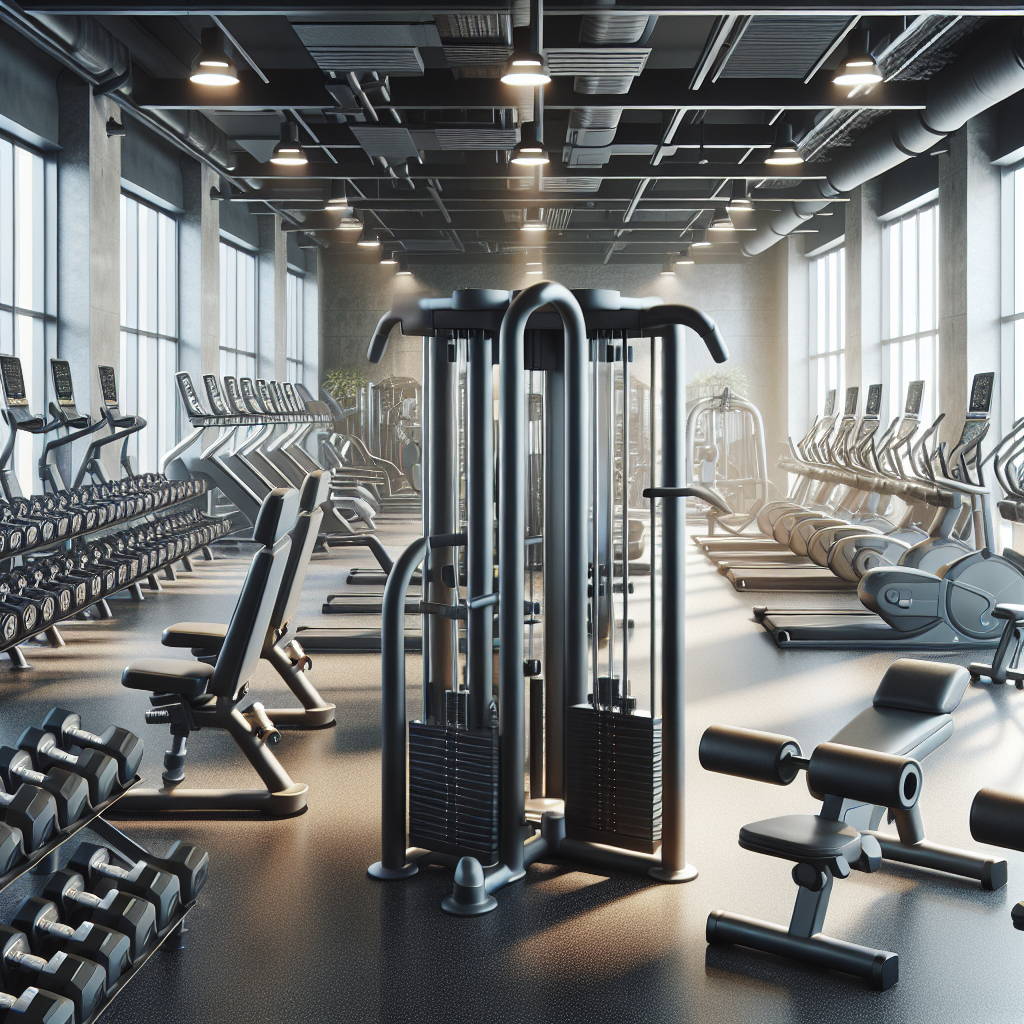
(44, 319)
(235, 352)
(295, 365)
(1012, 319)
(168, 415)
(894, 346)
(832, 359)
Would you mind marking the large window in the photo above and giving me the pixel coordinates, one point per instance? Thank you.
(149, 328)
(910, 315)
(827, 326)
(26, 292)
(237, 312)
(295, 316)
(1013, 282)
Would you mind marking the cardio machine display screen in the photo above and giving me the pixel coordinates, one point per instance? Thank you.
(265, 397)
(250, 395)
(874, 400)
(293, 396)
(188, 394)
(278, 396)
(13, 380)
(60, 371)
(852, 395)
(213, 393)
(915, 395)
(108, 384)
(830, 403)
(981, 392)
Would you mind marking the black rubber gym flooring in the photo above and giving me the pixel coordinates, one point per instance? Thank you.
(291, 929)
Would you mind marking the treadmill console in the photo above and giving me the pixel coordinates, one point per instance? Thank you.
(293, 397)
(60, 371)
(265, 397)
(915, 396)
(981, 394)
(830, 403)
(874, 403)
(235, 396)
(278, 395)
(213, 393)
(108, 385)
(188, 394)
(13, 381)
(249, 396)
(852, 394)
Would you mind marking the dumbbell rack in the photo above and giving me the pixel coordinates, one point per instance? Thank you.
(46, 859)
(12, 648)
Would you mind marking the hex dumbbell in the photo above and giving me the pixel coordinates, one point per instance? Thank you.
(36, 1006)
(32, 812)
(40, 920)
(190, 864)
(12, 847)
(69, 791)
(142, 879)
(67, 974)
(96, 768)
(120, 911)
(120, 744)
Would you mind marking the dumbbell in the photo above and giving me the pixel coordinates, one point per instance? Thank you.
(120, 911)
(36, 1006)
(142, 879)
(32, 812)
(69, 791)
(94, 766)
(12, 848)
(40, 920)
(66, 974)
(120, 744)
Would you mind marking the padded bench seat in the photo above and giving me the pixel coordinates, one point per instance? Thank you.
(802, 838)
(207, 636)
(168, 675)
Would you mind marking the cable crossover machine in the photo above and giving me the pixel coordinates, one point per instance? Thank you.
(611, 791)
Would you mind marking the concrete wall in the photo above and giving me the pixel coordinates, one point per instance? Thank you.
(748, 301)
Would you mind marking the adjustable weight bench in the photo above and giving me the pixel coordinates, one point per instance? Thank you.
(870, 767)
(206, 638)
(191, 695)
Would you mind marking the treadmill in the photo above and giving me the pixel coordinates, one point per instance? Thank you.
(861, 629)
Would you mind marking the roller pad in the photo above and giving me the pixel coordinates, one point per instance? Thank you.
(931, 687)
(887, 780)
(761, 756)
(997, 818)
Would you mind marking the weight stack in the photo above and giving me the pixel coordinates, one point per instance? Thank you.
(453, 791)
(613, 778)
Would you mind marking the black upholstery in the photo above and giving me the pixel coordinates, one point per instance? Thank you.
(896, 731)
(206, 636)
(243, 637)
(801, 838)
(931, 687)
(166, 675)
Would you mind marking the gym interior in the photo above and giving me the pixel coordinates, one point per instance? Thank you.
(506, 507)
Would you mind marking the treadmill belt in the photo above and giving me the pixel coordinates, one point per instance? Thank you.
(857, 631)
(759, 543)
(810, 578)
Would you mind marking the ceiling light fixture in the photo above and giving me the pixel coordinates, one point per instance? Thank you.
(403, 268)
(368, 239)
(784, 153)
(536, 271)
(859, 68)
(700, 240)
(338, 197)
(740, 199)
(530, 150)
(720, 222)
(288, 152)
(684, 259)
(668, 269)
(213, 66)
(527, 65)
(387, 258)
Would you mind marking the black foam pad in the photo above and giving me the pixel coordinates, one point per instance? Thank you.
(931, 687)
(277, 516)
(316, 488)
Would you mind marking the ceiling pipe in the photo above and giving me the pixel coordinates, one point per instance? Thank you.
(987, 74)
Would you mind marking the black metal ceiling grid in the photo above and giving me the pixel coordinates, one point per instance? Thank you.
(652, 111)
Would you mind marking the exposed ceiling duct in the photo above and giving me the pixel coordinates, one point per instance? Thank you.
(990, 72)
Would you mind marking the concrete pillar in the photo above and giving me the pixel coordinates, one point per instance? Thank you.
(89, 229)
(863, 340)
(311, 328)
(199, 273)
(794, 330)
(272, 266)
(969, 267)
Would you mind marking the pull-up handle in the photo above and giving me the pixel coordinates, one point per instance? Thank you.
(694, 491)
